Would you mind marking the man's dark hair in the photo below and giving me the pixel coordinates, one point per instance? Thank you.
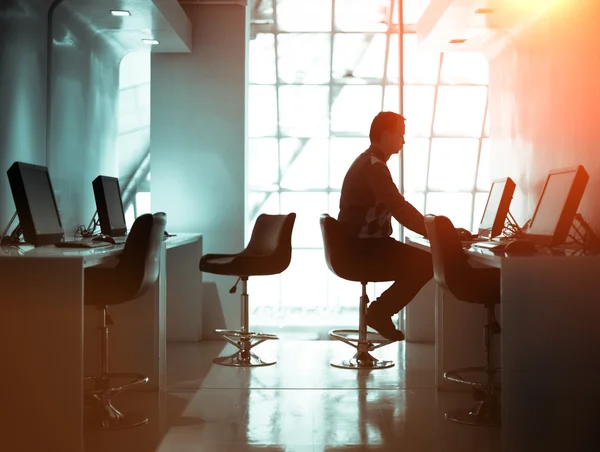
(384, 121)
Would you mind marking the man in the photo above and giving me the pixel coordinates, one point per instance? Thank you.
(368, 200)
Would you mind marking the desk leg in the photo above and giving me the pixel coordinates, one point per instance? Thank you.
(41, 343)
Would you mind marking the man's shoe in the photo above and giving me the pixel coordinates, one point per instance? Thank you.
(382, 323)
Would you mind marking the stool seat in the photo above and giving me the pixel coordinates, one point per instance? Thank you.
(241, 264)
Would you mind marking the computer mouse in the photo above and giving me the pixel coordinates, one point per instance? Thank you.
(104, 238)
(519, 248)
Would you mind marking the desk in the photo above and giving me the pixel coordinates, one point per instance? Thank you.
(48, 344)
(550, 347)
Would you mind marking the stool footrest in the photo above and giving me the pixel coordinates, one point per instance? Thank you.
(455, 376)
(352, 337)
(244, 341)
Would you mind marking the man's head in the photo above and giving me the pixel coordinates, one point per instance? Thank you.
(387, 132)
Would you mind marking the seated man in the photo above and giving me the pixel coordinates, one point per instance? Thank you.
(368, 200)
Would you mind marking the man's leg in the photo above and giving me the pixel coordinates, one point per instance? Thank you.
(414, 269)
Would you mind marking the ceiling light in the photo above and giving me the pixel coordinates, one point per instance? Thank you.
(152, 42)
(119, 12)
(457, 41)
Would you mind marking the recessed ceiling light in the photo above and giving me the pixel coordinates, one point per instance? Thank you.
(457, 41)
(119, 12)
(152, 42)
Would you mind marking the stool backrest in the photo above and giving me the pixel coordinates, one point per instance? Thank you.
(140, 261)
(272, 237)
(450, 265)
(335, 244)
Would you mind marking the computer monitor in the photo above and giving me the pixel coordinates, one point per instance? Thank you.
(557, 206)
(109, 205)
(496, 207)
(35, 203)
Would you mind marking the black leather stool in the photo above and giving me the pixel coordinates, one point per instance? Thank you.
(269, 252)
(132, 277)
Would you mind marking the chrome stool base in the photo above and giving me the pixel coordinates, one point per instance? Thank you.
(362, 361)
(109, 418)
(362, 358)
(484, 414)
(103, 414)
(244, 341)
(240, 359)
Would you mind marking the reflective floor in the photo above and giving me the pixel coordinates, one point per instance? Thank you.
(299, 404)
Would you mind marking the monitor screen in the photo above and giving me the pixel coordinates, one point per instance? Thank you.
(497, 207)
(558, 204)
(109, 205)
(35, 203)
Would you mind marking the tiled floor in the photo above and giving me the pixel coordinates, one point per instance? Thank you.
(299, 404)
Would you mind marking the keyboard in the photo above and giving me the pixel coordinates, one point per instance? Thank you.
(494, 245)
(120, 240)
(84, 244)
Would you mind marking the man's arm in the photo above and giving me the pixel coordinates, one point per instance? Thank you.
(380, 181)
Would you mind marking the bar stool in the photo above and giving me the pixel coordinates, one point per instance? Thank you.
(452, 271)
(346, 265)
(269, 252)
(135, 273)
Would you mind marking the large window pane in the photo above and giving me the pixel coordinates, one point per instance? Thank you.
(354, 108)
(269, 288)
(262, 11)
(416, 156)
(460, 111)
(418, 110)
(263, 164)
(307, 15)
(334, 204)
(361, 15)
(343, 152)
(419, 66)
(305, 280)
(480, 200)
(484, 179)
(464, 68)
(261, 202)
(456, 206)
(304, 163)
(304, 111)
(393, 64)
(358, 57)
(391, 98)
(308, 208)
(262, 111)
(303, 57)
(262, 59)
(452, 164)
(412, 10)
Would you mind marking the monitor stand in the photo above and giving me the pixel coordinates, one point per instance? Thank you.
(512, 228)
(15, 235)
(91, 229)
(583, 235)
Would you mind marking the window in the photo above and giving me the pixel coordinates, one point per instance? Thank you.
(320, 70)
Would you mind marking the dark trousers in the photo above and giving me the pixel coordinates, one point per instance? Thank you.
(408, 266)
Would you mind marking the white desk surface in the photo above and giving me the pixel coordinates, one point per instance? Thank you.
(90, 256)
(479, 256)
